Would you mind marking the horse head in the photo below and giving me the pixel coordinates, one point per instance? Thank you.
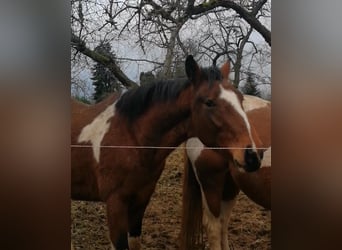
(218, 118)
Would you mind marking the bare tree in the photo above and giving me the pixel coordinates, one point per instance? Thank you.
(168, 17)
(161, 24)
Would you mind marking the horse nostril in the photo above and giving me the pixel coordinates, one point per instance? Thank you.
(252, 160)
(249, 150)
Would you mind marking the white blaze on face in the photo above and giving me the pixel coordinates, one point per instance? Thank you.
(252, 102)
(230, 97)
(95, 131)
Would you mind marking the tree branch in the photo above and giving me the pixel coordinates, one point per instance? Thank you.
(106, 61)
(139, 60)
(245, 14)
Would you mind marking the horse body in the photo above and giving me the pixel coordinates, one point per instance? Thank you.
(212, 184)
(121, 144)
(126, 177)
(84, 182)
(256, 185)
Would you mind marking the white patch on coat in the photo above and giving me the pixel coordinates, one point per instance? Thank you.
(252, 102)
(230, 97)
(194, 148)
(95, 131)
(216, 227)
(266, 161)
(210, 222)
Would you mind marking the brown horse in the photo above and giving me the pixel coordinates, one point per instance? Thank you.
(120, 145)
(210, 187)
(257, 185)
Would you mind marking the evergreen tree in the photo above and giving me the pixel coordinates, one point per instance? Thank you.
(147, 77)
(250, 87)
(103, 79)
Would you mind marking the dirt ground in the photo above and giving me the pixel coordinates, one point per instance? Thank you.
(250, 225)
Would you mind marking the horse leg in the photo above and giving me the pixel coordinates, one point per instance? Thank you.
(136, 213)
(226, 209)
(212, 225)
(117, 222)
(135, 223)
(211, 185)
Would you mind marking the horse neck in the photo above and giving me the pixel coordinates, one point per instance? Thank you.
(165, 124)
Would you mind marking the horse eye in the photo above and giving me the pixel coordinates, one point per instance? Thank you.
(209, 103)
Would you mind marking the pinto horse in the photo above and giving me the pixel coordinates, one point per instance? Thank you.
(211, 185)
(119, 146)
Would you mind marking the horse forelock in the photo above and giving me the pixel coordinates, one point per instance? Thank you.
(211, 74)
(133, 103)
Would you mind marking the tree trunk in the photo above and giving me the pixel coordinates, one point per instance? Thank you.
(166, 73)
(239, 57)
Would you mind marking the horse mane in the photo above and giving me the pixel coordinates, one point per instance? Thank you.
(137, 100)
(133, 103)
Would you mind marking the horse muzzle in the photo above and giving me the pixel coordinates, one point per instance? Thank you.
(249, 160)
(252, 160)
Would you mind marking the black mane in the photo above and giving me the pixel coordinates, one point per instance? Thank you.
(137, 100)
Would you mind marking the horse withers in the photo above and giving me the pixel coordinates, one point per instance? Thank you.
(211, 185)
(120, 145)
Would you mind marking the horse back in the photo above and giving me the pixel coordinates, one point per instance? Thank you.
(260, 118)
(83, 114)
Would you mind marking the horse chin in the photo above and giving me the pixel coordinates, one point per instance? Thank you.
(239, 166)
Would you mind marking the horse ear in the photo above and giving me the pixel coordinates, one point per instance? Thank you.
(225, 69)
(191, 68)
